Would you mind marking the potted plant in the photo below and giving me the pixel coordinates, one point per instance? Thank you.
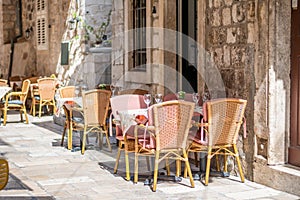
(99, 31)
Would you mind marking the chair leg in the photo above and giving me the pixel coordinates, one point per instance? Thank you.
(108, 141)
(117, 159)
(63, 135)
(21, 115)
(225, 162)
(25, 114)
(178, 167)
(168, 166)
(155, 171)
(127, 166)
(83, 141)
(208, 165)
(33, 109)
(136, 168)
(5, 117)
(40, 110)
(100, 138)
(188, 167)
(237, 157)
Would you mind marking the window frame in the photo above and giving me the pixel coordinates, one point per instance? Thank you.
(136, 74)
(42, 34)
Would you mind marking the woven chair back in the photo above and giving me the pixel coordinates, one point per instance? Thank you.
(4, 173)
(172, 121)
(95, 106)
(47, 88)
(225, 117)
(67, 92)
(25, 89)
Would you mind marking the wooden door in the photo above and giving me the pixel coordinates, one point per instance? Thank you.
(294, 149)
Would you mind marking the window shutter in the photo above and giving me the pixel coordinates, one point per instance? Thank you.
(42, 35)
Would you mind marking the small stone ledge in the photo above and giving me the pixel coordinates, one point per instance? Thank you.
(100, 50)
(281, 177)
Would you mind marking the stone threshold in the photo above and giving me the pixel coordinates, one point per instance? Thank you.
(282, 177)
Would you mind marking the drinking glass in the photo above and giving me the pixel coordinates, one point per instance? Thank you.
(206, 96)
(113, 89)
(196, 97)
(158, 98)
(147, 99)
(77, 90)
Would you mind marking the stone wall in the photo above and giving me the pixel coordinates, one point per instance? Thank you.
(82, 70)
(58, 11)
(230, 42)
(118, 40)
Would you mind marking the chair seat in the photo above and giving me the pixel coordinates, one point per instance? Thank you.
(37, 97)
(17, 102)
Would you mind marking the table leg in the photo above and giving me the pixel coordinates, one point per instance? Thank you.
(70, 136)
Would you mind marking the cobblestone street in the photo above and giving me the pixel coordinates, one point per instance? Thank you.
(41, 169)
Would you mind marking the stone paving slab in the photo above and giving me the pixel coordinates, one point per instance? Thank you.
(42, 169)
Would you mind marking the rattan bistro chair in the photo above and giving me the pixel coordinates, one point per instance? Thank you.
(95, 112)
(126, 144)
(223, 119)
(45, 97)
(16, 101)
(171, 124)
(4, 173)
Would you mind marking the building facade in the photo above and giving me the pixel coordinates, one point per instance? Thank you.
(193, 44)
(231, 48)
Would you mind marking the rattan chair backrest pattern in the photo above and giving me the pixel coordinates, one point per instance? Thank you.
(95, 106)
(172, 121)
(225, 117)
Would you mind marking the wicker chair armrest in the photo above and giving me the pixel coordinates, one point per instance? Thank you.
(149, 129)
(17, 94)
(200, 124)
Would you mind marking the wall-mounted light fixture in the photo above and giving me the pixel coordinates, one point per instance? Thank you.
(28, 33)
(72, 23)
(154, 10)
(154, 7)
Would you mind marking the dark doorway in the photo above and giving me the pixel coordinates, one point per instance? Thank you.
(294, 149)
(187, 63)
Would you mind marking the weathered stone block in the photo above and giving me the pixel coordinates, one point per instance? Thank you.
(251, 33)
(231, 35)
(226, 16)
(216, 19)
(228, 2)
(239, 12)
(227, 57)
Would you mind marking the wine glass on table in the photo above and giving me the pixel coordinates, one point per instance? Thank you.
(147, 99)
(196, 97)
(113, 89)
(158, 98)
(77, 91)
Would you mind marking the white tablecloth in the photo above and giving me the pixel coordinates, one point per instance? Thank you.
(127, 118)
(60, 102)
(4, 90)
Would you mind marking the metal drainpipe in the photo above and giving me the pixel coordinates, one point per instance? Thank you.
(12, 41)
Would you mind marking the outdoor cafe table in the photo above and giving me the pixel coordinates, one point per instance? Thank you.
(4, 90)
(72, 105)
